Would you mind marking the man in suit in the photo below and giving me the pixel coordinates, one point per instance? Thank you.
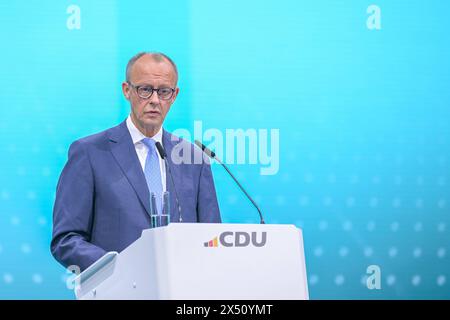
(103, 194)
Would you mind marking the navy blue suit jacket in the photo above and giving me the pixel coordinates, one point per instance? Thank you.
(102, 199)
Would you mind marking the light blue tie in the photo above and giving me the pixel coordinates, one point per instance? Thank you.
(152, 172)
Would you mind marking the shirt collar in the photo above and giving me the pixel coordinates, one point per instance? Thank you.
(137, 135)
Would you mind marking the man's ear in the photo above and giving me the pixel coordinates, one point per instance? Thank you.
(175, 94)
(126, 90)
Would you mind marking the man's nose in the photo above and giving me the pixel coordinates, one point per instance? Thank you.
(154, 99)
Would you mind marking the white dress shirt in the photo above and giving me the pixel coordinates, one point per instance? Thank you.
(142, 149)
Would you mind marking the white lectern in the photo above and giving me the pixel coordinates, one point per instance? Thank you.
(204, 261)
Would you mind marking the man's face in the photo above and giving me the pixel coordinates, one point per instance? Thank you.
(149, 114)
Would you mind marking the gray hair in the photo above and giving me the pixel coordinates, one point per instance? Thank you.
(157, 56)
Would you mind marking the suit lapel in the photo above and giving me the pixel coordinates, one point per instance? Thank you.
(124, 152)
(169, 142)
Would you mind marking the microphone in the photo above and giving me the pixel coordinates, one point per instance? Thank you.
(163, 156)
(212, 155)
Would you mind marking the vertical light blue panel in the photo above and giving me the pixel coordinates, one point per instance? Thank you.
(363, 119)
(60, 84)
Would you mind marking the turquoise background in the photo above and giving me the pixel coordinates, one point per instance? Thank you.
(363, 118)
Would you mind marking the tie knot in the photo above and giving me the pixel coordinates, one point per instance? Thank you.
(150, 143)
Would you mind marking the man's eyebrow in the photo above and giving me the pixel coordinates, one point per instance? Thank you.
(150, 85)
(143, 85)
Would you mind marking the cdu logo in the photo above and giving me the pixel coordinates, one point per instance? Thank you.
(237, 239)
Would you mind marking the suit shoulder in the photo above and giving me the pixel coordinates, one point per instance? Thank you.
(97, 140)
(102, 136)
(194, 154)
(182, 143)
(92, 139)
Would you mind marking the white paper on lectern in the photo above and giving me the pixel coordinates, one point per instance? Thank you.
(173, 262)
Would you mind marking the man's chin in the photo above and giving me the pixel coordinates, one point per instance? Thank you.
(152, 123)
(152, 119)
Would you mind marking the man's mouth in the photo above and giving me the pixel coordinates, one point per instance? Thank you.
(152, 112)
